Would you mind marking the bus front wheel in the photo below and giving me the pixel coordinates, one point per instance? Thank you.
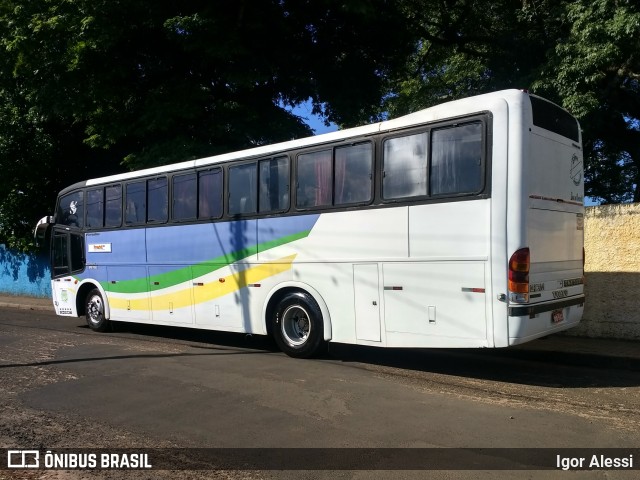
(94, 309)
(297, 326)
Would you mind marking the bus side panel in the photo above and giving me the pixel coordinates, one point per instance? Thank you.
(437, 304)
(438, 297)
(353, 236)
(326, 257)
(455, 230)
(131, 304)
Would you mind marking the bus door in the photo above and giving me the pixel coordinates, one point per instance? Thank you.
(67, 257)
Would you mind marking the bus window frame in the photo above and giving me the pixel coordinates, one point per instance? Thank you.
(148, 200)
(279, 211)
(376, 184)
(221, 169)
(111, 185)
(486, 121)
(294, 184)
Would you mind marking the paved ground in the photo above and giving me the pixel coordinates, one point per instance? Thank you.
(62, 385)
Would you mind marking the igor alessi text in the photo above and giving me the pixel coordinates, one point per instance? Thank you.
(593, 462)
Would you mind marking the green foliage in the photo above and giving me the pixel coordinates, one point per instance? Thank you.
(594, 72)
(92, 87)
(583, 54)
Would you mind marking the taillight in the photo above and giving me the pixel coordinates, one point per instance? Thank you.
(519, 265)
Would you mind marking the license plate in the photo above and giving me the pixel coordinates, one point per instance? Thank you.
(557, 316)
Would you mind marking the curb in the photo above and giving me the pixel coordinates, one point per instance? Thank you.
(22, 306)
(574, 358)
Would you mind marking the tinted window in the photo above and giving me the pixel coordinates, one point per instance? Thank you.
(77, 253)
(71, 210)
(158, 199)
(60, 254)
(405, 166)
(243, 186)
(135, 211)
(95, 208)
(113, 206)
(314, 179)
(210, 193)
(185, 193)
(553, 118)
(353, 174)
(456, 160)
(274, 184)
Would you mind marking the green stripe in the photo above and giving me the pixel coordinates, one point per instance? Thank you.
(181, 275)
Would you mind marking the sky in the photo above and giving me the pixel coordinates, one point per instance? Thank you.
(315, 122)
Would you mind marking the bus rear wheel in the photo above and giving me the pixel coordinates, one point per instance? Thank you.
(94, 309)
(298, 328)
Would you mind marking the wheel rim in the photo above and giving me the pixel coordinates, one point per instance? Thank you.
(295, 325)
(95, 309)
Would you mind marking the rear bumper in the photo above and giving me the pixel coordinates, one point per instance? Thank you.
(532, 310)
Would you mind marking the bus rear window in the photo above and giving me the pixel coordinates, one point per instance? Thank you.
(553, 118)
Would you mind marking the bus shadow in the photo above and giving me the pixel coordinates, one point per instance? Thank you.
(510, 365)
(535, 368)
(212, 338)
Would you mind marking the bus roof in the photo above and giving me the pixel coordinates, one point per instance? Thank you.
(446, 110)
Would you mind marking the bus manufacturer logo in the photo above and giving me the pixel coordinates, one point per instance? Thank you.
(576, 170)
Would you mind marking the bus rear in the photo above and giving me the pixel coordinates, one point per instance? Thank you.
(546, 270)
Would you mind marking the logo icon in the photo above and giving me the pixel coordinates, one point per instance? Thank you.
(23, 459)
(576, 170)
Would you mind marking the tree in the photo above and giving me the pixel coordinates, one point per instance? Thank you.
(595, 72)
(467, 47)
(581, 54)
(96, 86)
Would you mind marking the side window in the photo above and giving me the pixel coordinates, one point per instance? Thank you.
(113, 206)
(71, 210)
(405, 166)
(157, 200)
(456, 159)
(243, 185)
(274, 184)
(185, 194)
(314, 179)
(210, 193)
(95, 208)
(353, 174)
(136, 207)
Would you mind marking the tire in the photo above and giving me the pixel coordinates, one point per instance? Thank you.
(298, 328)
(94, 308)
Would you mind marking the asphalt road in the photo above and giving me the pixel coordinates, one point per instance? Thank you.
(62, 385)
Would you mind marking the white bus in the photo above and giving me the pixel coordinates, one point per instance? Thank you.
(456, 226)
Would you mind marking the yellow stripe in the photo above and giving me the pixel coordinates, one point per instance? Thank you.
(208, 291)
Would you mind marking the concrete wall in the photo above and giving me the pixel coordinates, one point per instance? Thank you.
(22, 274)
(612, 271)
